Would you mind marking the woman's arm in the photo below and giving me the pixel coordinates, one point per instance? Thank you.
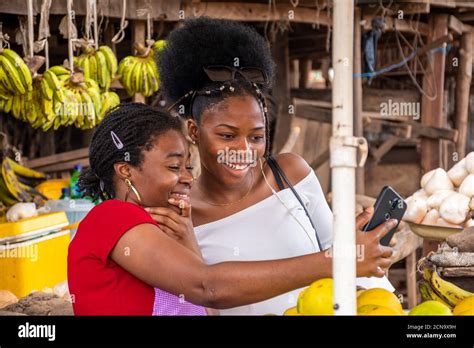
(161, 262)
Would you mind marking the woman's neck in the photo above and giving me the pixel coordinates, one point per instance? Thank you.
(215, 191)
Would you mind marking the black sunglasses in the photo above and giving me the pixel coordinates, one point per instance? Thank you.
(223, 73)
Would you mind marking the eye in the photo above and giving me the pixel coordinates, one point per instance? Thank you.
(189, 167)
(258, 138)
(174, 168)
(227, 136)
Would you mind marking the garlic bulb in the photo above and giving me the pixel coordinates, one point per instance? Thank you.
(471, 204)
(467, 186)
(435, 200)
(431, 218)
(469, 223)
(438, 181)
(454, 208)
(470, 162)
(416, 209)
(426, 177)
(458, 172)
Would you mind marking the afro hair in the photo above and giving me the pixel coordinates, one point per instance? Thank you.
(204, 41)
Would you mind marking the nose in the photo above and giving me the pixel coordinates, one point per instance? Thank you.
(243, 144)
(186, 177)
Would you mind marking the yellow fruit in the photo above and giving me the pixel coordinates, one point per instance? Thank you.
(466, 305)
(291, 311)
(317, 299)
(380, 297)
(371, 309)
(431, 308)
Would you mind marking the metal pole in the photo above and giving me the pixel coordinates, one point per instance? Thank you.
(343, 147)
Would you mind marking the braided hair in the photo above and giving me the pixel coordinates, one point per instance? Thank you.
(125, 133)
(204, 42)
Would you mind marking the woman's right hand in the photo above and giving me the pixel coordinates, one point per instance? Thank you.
(373, 259)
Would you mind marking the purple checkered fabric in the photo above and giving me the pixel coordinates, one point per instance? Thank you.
(169, 304)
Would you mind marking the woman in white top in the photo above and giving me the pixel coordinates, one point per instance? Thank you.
(239, 213)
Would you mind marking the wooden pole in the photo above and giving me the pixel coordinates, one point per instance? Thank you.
(281, 91)
(138, 36)
(305, 71)
(463, 83)
(358, 97)
(432, 110)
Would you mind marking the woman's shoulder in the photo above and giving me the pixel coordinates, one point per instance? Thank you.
(115, 208)
(294, 166)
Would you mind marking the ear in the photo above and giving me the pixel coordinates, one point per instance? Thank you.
(122, 170)
(193, 130)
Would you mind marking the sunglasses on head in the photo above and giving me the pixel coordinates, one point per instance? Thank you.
(223, 73)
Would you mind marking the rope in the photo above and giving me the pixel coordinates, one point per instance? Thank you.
(43, 31)
(123, 24)
(30, 29)
(70, 15)
(410, 73)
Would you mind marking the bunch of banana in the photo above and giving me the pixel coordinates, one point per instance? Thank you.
(99, 65)
(47, 100)
(17, 182)
(15, 77)
(441, 290)
(139, 74)
(109, 100)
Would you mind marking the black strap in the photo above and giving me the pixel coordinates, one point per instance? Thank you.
(279, 174)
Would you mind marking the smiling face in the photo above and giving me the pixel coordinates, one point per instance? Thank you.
(231, 137)
(164, 172)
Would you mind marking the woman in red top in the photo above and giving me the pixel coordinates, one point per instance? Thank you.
(139, 158)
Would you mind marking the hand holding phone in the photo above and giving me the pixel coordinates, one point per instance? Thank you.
(389, 205)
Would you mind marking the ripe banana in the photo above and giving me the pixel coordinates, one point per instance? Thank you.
(12, 183)
(449, 292)
(19, 64)
(139, 74)
(13, 75)
(24, 171)
(99, 65)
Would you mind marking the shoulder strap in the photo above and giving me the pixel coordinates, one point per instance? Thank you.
(279, 174)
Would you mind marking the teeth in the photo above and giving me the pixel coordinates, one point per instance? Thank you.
(180, 195)
(237, 166)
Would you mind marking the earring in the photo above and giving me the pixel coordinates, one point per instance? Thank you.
(132, 188)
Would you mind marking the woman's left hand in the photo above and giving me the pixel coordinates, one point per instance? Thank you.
(178, 227)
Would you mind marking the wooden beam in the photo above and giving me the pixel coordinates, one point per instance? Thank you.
(410, 269)
(463, 84)
(48, 161)
(400, 24)
(383, 149)
(281, 91)
(432, 109)
(255, 12)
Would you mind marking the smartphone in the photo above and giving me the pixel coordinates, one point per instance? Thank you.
(389, 205)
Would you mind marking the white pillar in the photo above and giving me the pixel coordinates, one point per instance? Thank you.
(343, 160)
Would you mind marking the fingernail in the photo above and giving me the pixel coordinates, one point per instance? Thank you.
(147, 209)
(171, 200)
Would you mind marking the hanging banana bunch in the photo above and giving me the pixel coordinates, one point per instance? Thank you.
(15, 83)
(99, 65)
(139, 74)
